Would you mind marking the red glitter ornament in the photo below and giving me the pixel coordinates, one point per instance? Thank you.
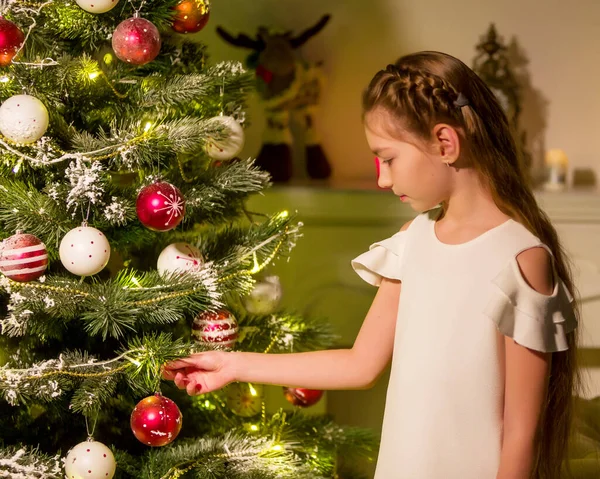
(23, 257)
(136, 40)
(192, 16)
(156, 420)
(302, 397)
(160, 206)
(217, 330)
(11, 39)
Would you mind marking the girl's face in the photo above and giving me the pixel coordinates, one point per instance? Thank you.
(416, 174)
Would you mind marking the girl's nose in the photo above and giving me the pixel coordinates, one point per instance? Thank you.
(384, 179)
(378, 170)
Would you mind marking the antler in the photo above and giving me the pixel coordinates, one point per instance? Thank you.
(309, 33)
(242, 40)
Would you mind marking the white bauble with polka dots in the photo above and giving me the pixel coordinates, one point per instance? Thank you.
(23, 119)
(179, 258)
(229, 142)
(97, 6)
(90, 460)
(264, 297)
(84, 251)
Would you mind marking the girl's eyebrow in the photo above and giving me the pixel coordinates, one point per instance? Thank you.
(378, 151)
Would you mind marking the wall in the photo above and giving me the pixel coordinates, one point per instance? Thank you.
(559, 42)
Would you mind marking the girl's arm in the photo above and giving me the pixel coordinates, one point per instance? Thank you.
(526, 378)
(354, 368)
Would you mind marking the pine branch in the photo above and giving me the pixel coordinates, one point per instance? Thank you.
(286, 333)
(25, 463)
(93, 382)
(235, 456)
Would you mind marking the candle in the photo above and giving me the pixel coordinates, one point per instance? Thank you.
(557, 157)
(556, 163)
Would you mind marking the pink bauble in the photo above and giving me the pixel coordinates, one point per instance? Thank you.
(160, 206)
(23, 257)
(136, 41)
(217, 330)
(156, 420)
(11, 39)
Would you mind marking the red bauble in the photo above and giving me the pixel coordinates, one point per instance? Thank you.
(302, 397)
(23, 257)
(217, 330)
(11, 39)
(136, 41)
(192, 16)
(156, 420)
(160, 206)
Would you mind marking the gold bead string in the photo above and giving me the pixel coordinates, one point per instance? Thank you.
(263, 413)
(132, 142)
(16, 284)
(111, 86)
(185, 178)
(272, 343)
(175, 472)
(75, 375)
(162, 297)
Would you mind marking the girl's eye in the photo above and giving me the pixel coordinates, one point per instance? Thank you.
(387, 162)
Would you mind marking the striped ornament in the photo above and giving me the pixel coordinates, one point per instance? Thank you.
(216, 330)
(23, 257)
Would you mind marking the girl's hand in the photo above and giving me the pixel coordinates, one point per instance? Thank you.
(202, 372)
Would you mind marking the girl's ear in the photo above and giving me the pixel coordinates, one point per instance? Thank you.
(446, 142)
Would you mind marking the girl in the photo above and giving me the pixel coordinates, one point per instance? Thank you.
(474, 297)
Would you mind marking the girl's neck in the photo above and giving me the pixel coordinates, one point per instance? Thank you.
(471, 203)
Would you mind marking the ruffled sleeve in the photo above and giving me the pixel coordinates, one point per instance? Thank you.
(383, 260)
(534, 320)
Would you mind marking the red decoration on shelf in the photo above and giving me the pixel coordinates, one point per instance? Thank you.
(11, 39)
(302, 397)
(192, 16)
(160, 206)
(218, 330)
(136, 41)
(156, 420)
(23, 257)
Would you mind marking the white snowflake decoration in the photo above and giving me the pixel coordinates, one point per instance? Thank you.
(86, 183)
(116, 212)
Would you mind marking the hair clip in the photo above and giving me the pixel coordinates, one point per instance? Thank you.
(461, 101)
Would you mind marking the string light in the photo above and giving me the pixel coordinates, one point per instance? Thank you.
(252, 390)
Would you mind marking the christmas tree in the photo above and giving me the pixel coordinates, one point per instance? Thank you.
(127, 244)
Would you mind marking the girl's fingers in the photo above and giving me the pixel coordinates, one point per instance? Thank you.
(191, 388)
(168, 374)
(180, 364)
(181, 380)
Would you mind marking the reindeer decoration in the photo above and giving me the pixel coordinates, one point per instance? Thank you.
(286, 84)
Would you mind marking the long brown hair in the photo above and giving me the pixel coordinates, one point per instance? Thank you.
(421, 90)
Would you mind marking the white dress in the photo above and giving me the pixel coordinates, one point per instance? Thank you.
(444, 406)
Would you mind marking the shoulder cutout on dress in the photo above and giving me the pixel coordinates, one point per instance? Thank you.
(537, 269)
(533, 319)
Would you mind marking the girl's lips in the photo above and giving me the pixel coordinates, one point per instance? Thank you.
(403, 197)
